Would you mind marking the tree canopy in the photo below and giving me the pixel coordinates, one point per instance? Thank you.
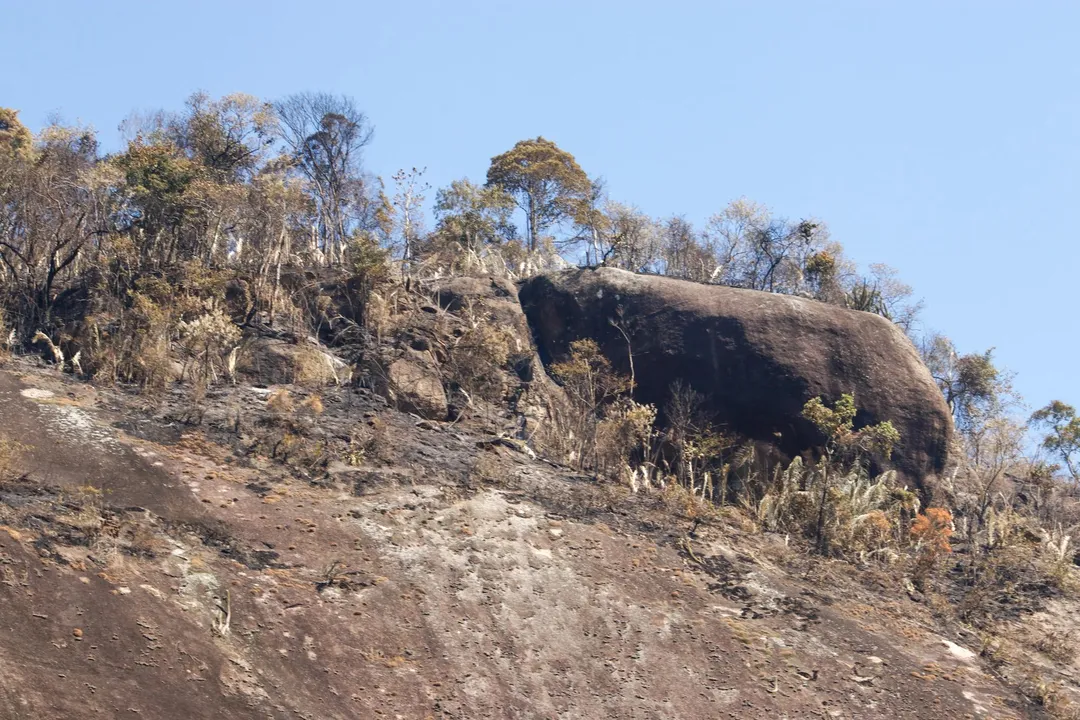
(1063, 436)
(545, 181)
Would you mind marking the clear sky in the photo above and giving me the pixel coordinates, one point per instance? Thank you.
(942, 138)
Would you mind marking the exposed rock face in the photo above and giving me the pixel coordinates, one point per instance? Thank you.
(416, 389)
(277, 362)
(757, 357)
(539, 404)
(236, 591)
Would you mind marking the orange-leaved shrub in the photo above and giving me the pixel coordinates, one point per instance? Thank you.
(932, 530)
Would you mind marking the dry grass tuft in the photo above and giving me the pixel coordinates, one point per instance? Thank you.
(313, 405)
(281, 403)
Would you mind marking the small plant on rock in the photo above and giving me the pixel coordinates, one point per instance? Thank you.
(843, 444)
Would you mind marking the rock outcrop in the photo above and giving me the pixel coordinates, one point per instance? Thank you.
(415, 389)
(272, 361)
(757, 357)
(447, 574)
(538, 403)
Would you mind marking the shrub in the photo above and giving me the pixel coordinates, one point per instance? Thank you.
(368, 261)
(835, 501)
(280, 403)
(207, 342)
(860, 515)
(930, 533)
(696, 449)
(932, 529)
(871, 532)
(478, 356)
(87, 514)
(841, 439)
(591, 386)
(843, 446)
(1014, 574)
(313, 405)
(136, 316)
(624, 441)
(368, 441)
(679, 500)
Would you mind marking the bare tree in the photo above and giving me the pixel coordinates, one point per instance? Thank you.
(994, 448)
(882, 292)
(682, 253)
(52, 209)
(618, 235)
(325, 135)
(756, 250)
(684, 419)
(407, 204)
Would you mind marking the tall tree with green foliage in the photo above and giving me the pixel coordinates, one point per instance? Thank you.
(1063, 438)
(545, 181)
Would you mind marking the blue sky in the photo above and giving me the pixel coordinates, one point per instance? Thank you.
(942, 138)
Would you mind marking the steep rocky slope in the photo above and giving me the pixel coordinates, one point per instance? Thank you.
(154, 569)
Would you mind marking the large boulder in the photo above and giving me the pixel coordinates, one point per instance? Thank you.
(271, 361)
(415, 388)
(756, 357)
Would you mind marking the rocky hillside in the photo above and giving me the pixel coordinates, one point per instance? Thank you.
(407, 543)
(150, 570)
